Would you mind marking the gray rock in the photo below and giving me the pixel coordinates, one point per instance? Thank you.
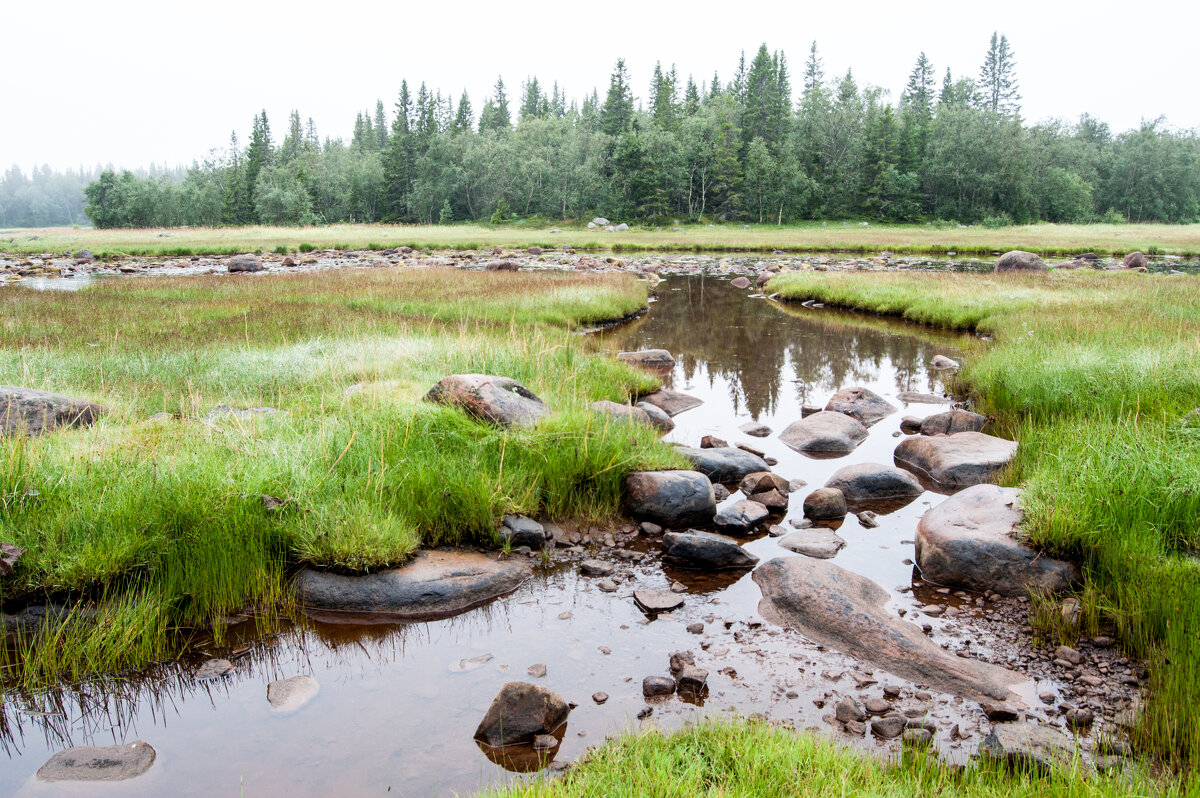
(657, 600)
(671, 499)
(1069, 654)
(537, 671)
(672, 402)
(596, 568)
(823, 544)
(888, 727)
(825, 504)
(518, 530)
(436, 584)
(943, 363)
(740, 282)
(520, 712)
(845, 611)
(914, 397)
(244, 263)
(25, 411)
(691, 680)
(720, 492)
(705, 551)
(497, 400)
(917, 737)
(288, 695)
(867, 519)
(599, 221)
(952, 422)
(1019, 260)
(755, 430)
(10, 553)
(652, 359)
(726, 465)
(969, 541)
(213, 669)
(544, 742)
(657, 686)
(998, 711)
(108, 763)
(1024, 746)
(953, 462)
(741, 517)
(824, 434)
(848, 709)
(656, 416)
(861, 404)
(873, 486)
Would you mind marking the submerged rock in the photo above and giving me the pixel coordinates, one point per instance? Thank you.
(107, 763)
(288, 695)
(436, 584)
(755, 429)
(705, 551)
(1018, 260)
(670, 498)
(822, 544)
(824, 434)
(657, 600)
(652, 359)
(952, 462)
(31, 412)
(861, 404)
(498, 400)
(672, 402)
(943, 363)
(969, 541)
(874, 486)
(952, 422)
(213, 669)
(726, 465)
(520, 712)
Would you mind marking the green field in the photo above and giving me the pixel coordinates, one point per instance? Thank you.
(1047, 239)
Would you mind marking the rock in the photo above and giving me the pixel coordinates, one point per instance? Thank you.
(824, 434)
(915, 397)
(9, 554)
(919, 737)
(1024, 746)
(1134, 260)
(213, 669)
(534, 251)
(607, 585)
(288, 695)
(520, 712)
(679, 660)
(468, 664)
(943, 363)
(599, 221)
(740, 282)
(847, 710)
(537, 671)
(720, 492)
(498, 400)
(657, 417)
(670, 498)
(621, 228)
(825, 504)
(855, 727)
(25, 411)
(244, 263)
(647, 528)
(654, 601)
(435, 584)
(762, 481)
(953, 422)
(657, 686)
(846, 611)
(953, 462)
(755, 429)
(773, 500)
(969, 541)
(502, 266)
(1079, 718)
(544, 742)
(626, 413)
(999, 712)
(726, 465)
(876, 706)
(596, 568)
(823, 544)
(873, 486)
(521, 531)
(696, 628)
(808, 410)
(861, 404)
(108, 763)
(867, 519)
(888, 727)
(653, 359)
(672, 402)
(599, 697)
(1069, 654)
(741, 517)
(86, 256)
(910, 425)
(691, 680)
(713, 442)
(705, 551)
(1020, 261)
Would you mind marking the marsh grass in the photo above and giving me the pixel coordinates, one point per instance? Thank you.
(152, 528)
(1096, 375)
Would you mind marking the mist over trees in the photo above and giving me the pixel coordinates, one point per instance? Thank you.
(758, 147)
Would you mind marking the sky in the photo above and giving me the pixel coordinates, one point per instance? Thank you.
(128, 83)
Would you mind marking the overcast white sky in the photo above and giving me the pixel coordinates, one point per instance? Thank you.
(133, 82)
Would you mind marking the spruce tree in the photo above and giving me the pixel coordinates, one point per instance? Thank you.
(998, 88)
(464, 119)
(616, 115)
(495, 114)
(380, 124)
(691, 98)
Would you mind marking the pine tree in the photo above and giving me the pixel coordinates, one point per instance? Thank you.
(814, 108)
(464, 119)
(916, 107)
(691, 98)
(381, 132)
(999, 92)
(495, 114)
(294, 140)
(399, 163)
(617, 113)
(258, 157)
(534, 104)
(664, 106)
(760, 87)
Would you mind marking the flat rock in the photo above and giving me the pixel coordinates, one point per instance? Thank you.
(1018, 260)
(1024, 746)
(842, 610)
(656, 416)
(497, 400)
(953, 462)
(436, 584)
(653, 359)
(755, 430)
(596, 568)
(741, 517)
(672, 402)
(917, 398)
(861, 404)
(657, 600)
(25, 411)
(823, 544)
(952, 422)
(824, 434)
(969, 541)
(671, 499)
(107, 763)
(288, 695)
(726, 465)
(705, 551)
(520, 712)
(874, 486)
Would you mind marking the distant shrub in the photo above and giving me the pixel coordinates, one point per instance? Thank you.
(1113, 216)
(501, 213)
(306, 247)
(281, 250)
(1001, 219)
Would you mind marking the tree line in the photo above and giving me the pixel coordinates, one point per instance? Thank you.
(948, 148)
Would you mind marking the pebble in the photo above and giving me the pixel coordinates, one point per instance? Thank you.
(599, 697)
(537, 671)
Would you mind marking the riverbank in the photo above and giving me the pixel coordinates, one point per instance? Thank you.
(848, 237)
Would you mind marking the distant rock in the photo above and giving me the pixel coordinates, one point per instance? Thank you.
(502, 266)
(874, 486)
(84, 256)
(498, 400)
(952, 422)
(25, 411)
(705, 551)
(288, 695)
(653, 359)
(1134, 260)
(108, 763)
(671, 499)
(953, 462)
(244, 263)
(520, 712)
(824, 434)
(599, 221)
(1020, 261)
(861, 404)
(621, 228)
(535, 251)
(672, 402)
(725, 465)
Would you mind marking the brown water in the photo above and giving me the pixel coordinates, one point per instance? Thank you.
(395, 713)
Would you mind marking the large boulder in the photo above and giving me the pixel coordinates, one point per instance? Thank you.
(107, 763)
(653, 359)
(705, 551)
(26, 411)
(672, 402)
(953, 422)
(726, 464)
(1027, 747)
(1018, 260)
(824, 434)
(244, 263)
(670, 498)
(498, 400)
(861, 404)
(953, 462)
(436, 584)
(741, 516)
(970, 541)
(1134, 260)
(874, 486)
(520, 712)
(843, 610)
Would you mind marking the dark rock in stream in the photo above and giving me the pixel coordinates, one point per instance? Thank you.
(874, 486)
(843, 610)
(109, 763)
(436, 584)
(953, 462)
(672, 402)
(25, 411)
(824, 434)
(651, 359)
(861, 404)
(520, 712)
(705, 551)
(725, 465)
(825, 504)
(670, 498)
(498, 400)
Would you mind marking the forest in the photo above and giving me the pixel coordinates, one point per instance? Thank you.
(952, 148)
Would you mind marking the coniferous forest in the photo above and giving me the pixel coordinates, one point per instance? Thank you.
(950, 147)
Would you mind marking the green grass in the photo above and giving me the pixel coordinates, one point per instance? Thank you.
(1096, 375)
(1048, 239)
(730, 759)
(158, 527)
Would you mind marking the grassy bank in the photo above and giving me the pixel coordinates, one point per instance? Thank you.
(1047, 239)
(1096, 375)
(156, 526)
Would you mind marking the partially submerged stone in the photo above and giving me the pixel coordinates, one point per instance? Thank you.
(861, 404)
(874, 486)
(498, 400)
(824, 434)
(755, 429)
(1018, 260)
(520, 712)
(288, 695)
(953, 462)
(25, 411)
(825, 504)
(244, 263)
(969, 541)
(672, 402)
(654, 601)
(652, 359)
(943, 363)
(741, 517)
(1024, 746)
(953, 422)
(705, 551)
(107, 763)
(726, 464)
(822, 544)
(670, 498)
(436, 584)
